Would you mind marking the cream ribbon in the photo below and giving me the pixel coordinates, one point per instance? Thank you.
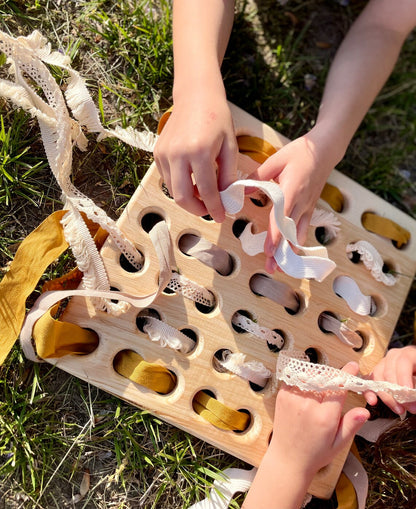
(315, 265)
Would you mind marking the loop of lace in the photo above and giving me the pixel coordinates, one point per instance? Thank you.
(190, 290)
(372, 261)
(244, 322)
(253, 371)
(167, 336)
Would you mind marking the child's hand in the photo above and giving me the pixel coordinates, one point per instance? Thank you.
(198, 142)
(301, 169)
(309, 429)
(399, 367)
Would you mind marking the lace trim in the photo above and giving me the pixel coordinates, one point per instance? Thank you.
(293, 369)
(272, 337)
(27, 57)
(191, 290)
(326, 219)
(253, 371)
(167, 336)
(372, 261)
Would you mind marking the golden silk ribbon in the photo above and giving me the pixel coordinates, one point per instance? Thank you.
(131, 365)
(37, 251)
(385, 228)
(219, 414)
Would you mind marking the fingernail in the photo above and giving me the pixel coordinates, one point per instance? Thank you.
(403, 415)
(399, 410)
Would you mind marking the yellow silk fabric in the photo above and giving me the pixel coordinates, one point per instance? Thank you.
(386, 228)
(55, 339)
(218, 414)
(333, 196)
(131, 365)
(38, 250)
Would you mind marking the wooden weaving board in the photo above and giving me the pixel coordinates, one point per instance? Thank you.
(195, 371)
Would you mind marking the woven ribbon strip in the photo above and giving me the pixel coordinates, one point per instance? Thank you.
(293, 369)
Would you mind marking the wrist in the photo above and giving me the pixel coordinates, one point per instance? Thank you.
(292, 464)
(200, 84)
(329, 144)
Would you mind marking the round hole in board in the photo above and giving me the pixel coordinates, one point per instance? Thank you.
(126, 265)
(90, 347)
(323, 236)
(277, 291)
(195, 398)
(191, 334)
(379, 306)
(295, 311)
(114, 289)
(378, 232)
(321, 319)
(207, 217)
(220, 355)
(388, 268)
(133, 358)
(314, 355)
(365, 341)
(239, 226)
(206, 309)
(143, 314)
(149, 220)
(188, 241)
(244, 411)
(354, 257)
(167, 290)
(275, 348)
(245, 313)
(259, 199)
(258, 388)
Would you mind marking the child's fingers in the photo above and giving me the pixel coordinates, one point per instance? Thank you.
(227, 163)
(349, 425)
(182, 190)
(270, 169)
(273, 236)
(205, 174)
(370, 397)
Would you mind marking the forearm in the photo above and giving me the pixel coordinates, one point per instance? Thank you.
(277, 485)
(201, 30)
(361, 66)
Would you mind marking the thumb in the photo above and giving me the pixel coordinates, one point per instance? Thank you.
(270, 169)
(349, 426)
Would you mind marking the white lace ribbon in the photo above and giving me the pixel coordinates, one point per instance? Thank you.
(293, 369)
(261, 332)
(27, 57)
(372, 261)
(166, 335)
(253, 371)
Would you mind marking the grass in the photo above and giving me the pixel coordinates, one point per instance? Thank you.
(56, 432)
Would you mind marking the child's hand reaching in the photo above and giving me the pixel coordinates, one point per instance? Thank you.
(301, 168)
(309, 431)
(196, 153)
(399, 367)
